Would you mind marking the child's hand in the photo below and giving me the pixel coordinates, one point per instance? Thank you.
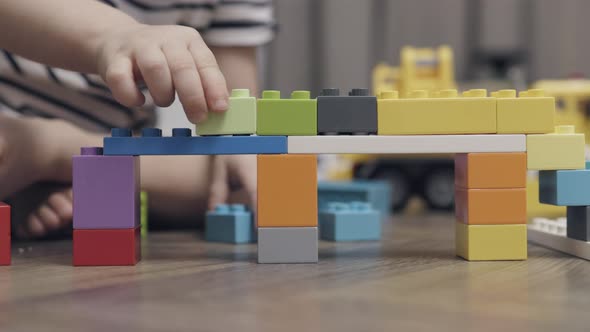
(232, 178)
(168, 59)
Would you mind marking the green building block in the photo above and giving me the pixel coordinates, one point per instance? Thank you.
(144, 213)
(295, 116)
(239, 119)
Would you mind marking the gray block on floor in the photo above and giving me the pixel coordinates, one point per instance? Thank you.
(287, 245)
(578, 223)
(352, 114)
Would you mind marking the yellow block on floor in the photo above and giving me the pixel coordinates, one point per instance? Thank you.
(562, 149)
(491, 242)
(444, 113)
(530, 113)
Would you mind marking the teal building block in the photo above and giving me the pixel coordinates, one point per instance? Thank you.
(295, 116)
(376, 192)
(230, 224)
(565, 187)
(356, 221)
(239, 119)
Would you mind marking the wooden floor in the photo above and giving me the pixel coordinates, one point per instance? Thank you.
(410, 281)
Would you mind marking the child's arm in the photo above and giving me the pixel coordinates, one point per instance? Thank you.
(88, 36)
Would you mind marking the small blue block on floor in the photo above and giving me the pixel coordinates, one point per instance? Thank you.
(182, 143)
(355, 221)
(565, 187)
(376, 192)
(230, 224)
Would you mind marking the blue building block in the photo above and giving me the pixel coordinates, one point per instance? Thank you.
(182, 143)
(378, 193)
(230, 223)
(355, 221)
(565, 187)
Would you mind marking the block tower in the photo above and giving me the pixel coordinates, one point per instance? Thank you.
(106, 209)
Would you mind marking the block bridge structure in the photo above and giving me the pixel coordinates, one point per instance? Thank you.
(495, 140)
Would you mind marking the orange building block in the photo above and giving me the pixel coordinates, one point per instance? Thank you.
(490, 170)
(490, 206)
(287, 191)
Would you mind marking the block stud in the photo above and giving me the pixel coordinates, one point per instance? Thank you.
(151, 132)
(238, 208)
(565, 129)
(240, 93)
(508, 93)
(181, 132)
(121, 132)
(91, 151)
(448, 93)
(330, 92)
(300, 94)
(476, 93)
(536, 93)
(337, 206)
(389, 95)
(222, 208)
(418, 94)
(271, 94)
(360, 206)
(359, 92)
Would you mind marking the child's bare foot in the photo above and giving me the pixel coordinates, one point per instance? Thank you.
(52, 215)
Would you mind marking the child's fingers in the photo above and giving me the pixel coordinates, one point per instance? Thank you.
(214, 84)
(155, 72)
(186, 81)
(119, 78)
(219, 190)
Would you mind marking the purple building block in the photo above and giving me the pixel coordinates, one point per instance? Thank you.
(106, 190)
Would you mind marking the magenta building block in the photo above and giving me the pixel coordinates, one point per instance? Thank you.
(106, 190)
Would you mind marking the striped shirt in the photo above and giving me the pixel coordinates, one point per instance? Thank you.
(30, 88)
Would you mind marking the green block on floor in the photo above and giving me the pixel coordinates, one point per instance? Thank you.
(239, 119)
(143, 213)
(295, 116)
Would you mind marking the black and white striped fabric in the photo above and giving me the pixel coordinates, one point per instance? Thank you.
(30, 88)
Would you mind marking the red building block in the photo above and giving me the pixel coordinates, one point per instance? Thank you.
(5, 250)
(107, 247)
(4, 220)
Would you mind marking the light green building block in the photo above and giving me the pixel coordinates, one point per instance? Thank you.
(239, 119)
(143, 213)
(295, 116)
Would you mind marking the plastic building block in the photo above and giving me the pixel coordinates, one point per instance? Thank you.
(182, 143)
(376, 192)
(239, 119)
(445, 113)
(490, 206)
(288, 245)
(406, 144)
(230, 223)
(490, 170)
(356, 221)
(530, 113)
(295, 116)
(563, 149)
(352, 114)
(107, 247)
(287, 191)
(144, 214)
(566, 187)
(4, 219)
(547, 234)
(578, 223)
(106, 191)
(491, 242)
(5, 250)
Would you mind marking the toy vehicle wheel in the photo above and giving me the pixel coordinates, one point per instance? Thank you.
(438, 188)
(400, 186)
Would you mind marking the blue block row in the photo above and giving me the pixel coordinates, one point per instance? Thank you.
(566, 187)
(355, 221)
(182, 143)
(378, 193)
(230, 224)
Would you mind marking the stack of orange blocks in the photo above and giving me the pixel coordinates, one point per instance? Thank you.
(287, 212)
(490, 206)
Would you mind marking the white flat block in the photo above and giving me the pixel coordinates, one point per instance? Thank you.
(559, 242)
(406, 144)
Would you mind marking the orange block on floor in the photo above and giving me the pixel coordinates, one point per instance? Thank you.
(490, 206)
(287, 191)
(490, 170)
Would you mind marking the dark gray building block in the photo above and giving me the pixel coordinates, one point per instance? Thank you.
(287, 245)
(352, 114)
(578, 223)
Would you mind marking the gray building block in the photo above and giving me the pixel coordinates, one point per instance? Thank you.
(287, 245)
(578, 223)
(352, 114)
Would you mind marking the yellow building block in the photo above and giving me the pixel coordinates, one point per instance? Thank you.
(562, 149)
(444, 113)
(530, 113)
(491, 242)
